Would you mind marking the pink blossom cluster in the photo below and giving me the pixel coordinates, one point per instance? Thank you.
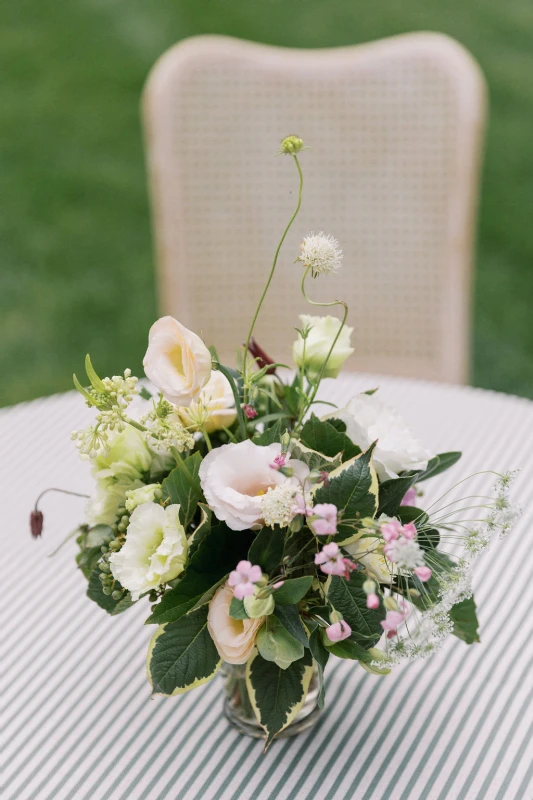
(400, 542)
(394, 619)
(243, 579)
(332, 562)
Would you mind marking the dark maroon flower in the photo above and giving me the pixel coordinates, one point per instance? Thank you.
(36, 523)
(250, 411)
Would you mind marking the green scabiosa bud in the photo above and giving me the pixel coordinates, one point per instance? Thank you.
(292, 145)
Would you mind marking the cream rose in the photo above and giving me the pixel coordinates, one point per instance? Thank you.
(214, 408)
(234, 638)
(235, 478)
(177, 361)
(368, 420)
(155, 550)
(313, 351)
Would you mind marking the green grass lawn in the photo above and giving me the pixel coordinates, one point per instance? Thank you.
(76, 263)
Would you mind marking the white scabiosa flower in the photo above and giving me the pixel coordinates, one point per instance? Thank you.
(321, 254)
(155, 550)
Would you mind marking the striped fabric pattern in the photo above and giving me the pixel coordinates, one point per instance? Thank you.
(77, 717)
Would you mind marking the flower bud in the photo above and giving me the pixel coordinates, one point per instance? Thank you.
(257, 607)
(291, 145)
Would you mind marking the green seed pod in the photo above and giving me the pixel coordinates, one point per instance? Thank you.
(114, 545)
(107, 590)
(117, 594)
(104, 549)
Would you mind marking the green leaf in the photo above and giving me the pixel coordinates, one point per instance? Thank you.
(144, 393)
(290, 619)
(322, 436)
(271, 435)
(293, 590)
(237, 609)
(314, 459)
(186, 493)
(98, 536)
(349, 598)
(96, 382)
(276, 644)
(217, 554)
(353, 487)
(349, 648)
(321, 656)
(277, 695)
(105, 601)
(464, 618)
(201, 530)
(267, 548)
(182, 655)
(408, 514)
(391, 494)
(439, 464)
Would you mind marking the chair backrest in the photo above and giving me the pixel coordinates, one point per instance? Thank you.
(395, 128)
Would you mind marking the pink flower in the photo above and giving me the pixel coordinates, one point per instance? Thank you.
(338, 631)
(409, 498)
(278, 585)
(279, 461)
(372, 600)
(324, 520)
(423, 573)
(250, 411)
(409, 530)
(243, 578)
(299, 506)
(391, 530)
(394, 619)
(332, 562)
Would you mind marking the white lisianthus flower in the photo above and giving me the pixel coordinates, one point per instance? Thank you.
(177, 361)
(321, 254)
(234, 638)
(214, 408)
(144, 494)
(110, 495)
(127, 457)
(236, 477)
(313, 351)
(155, 550)
(368, 420)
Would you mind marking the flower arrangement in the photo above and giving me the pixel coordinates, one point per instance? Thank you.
(262, 533)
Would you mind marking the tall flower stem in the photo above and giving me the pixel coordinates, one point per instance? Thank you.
(238, 406)
(273, 268)
(344, 305)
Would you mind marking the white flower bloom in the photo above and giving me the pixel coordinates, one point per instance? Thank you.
(110, 495)
(144, 494)
(368, 420)
(235, 478)
(321, 254)
(214, 408)
(313, 351)
(277, 505)
(127, 457)
(155, 550)
(406, 553)
(177, 361)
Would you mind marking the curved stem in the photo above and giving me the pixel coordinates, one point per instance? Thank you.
(61, 491)
(238, 407)
(273, 268)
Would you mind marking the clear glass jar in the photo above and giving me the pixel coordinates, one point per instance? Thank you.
(240, 714)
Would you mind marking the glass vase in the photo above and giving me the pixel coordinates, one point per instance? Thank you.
(240, 714)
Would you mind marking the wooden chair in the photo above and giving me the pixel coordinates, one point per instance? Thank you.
(395, 128)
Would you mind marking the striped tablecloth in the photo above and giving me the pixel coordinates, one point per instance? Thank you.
(78, 720)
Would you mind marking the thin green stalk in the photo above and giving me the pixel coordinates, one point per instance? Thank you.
(273, 268)
(238, 407)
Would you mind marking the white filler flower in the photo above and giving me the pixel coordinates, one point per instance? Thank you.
(368, 420)
(155, 550)
(321, 254)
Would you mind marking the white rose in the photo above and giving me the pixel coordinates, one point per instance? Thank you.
(314, 350)
(235, 477)
(127, 458)
(214, 408)
(368, 420)
(155, 550)
(144, 494)
(177, 361)
(110, 495)
(234, 638)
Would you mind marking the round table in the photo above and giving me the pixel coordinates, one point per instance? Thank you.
(78, 716)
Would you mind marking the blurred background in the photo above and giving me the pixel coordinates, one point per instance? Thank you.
(76, 257)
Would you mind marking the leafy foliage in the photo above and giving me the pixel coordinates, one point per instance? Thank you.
(267, 548)
(293, 590)
(322, 436)
(465, 623)
(349, 598)
(185, 492)
(105, 601)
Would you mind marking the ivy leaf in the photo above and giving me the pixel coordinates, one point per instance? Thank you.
(391, 494)
(186, 493)
(290, 619)
(217, 554)
(321, 656)
(276, 644)
(464, 618)
(201, 530)
(314, 459)
(349, 598)
(293, 590)
(270, 435)
(277, 695)
(105, 601)
(322, 436)
(267, 548)
(182, 655)
(353, 487)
